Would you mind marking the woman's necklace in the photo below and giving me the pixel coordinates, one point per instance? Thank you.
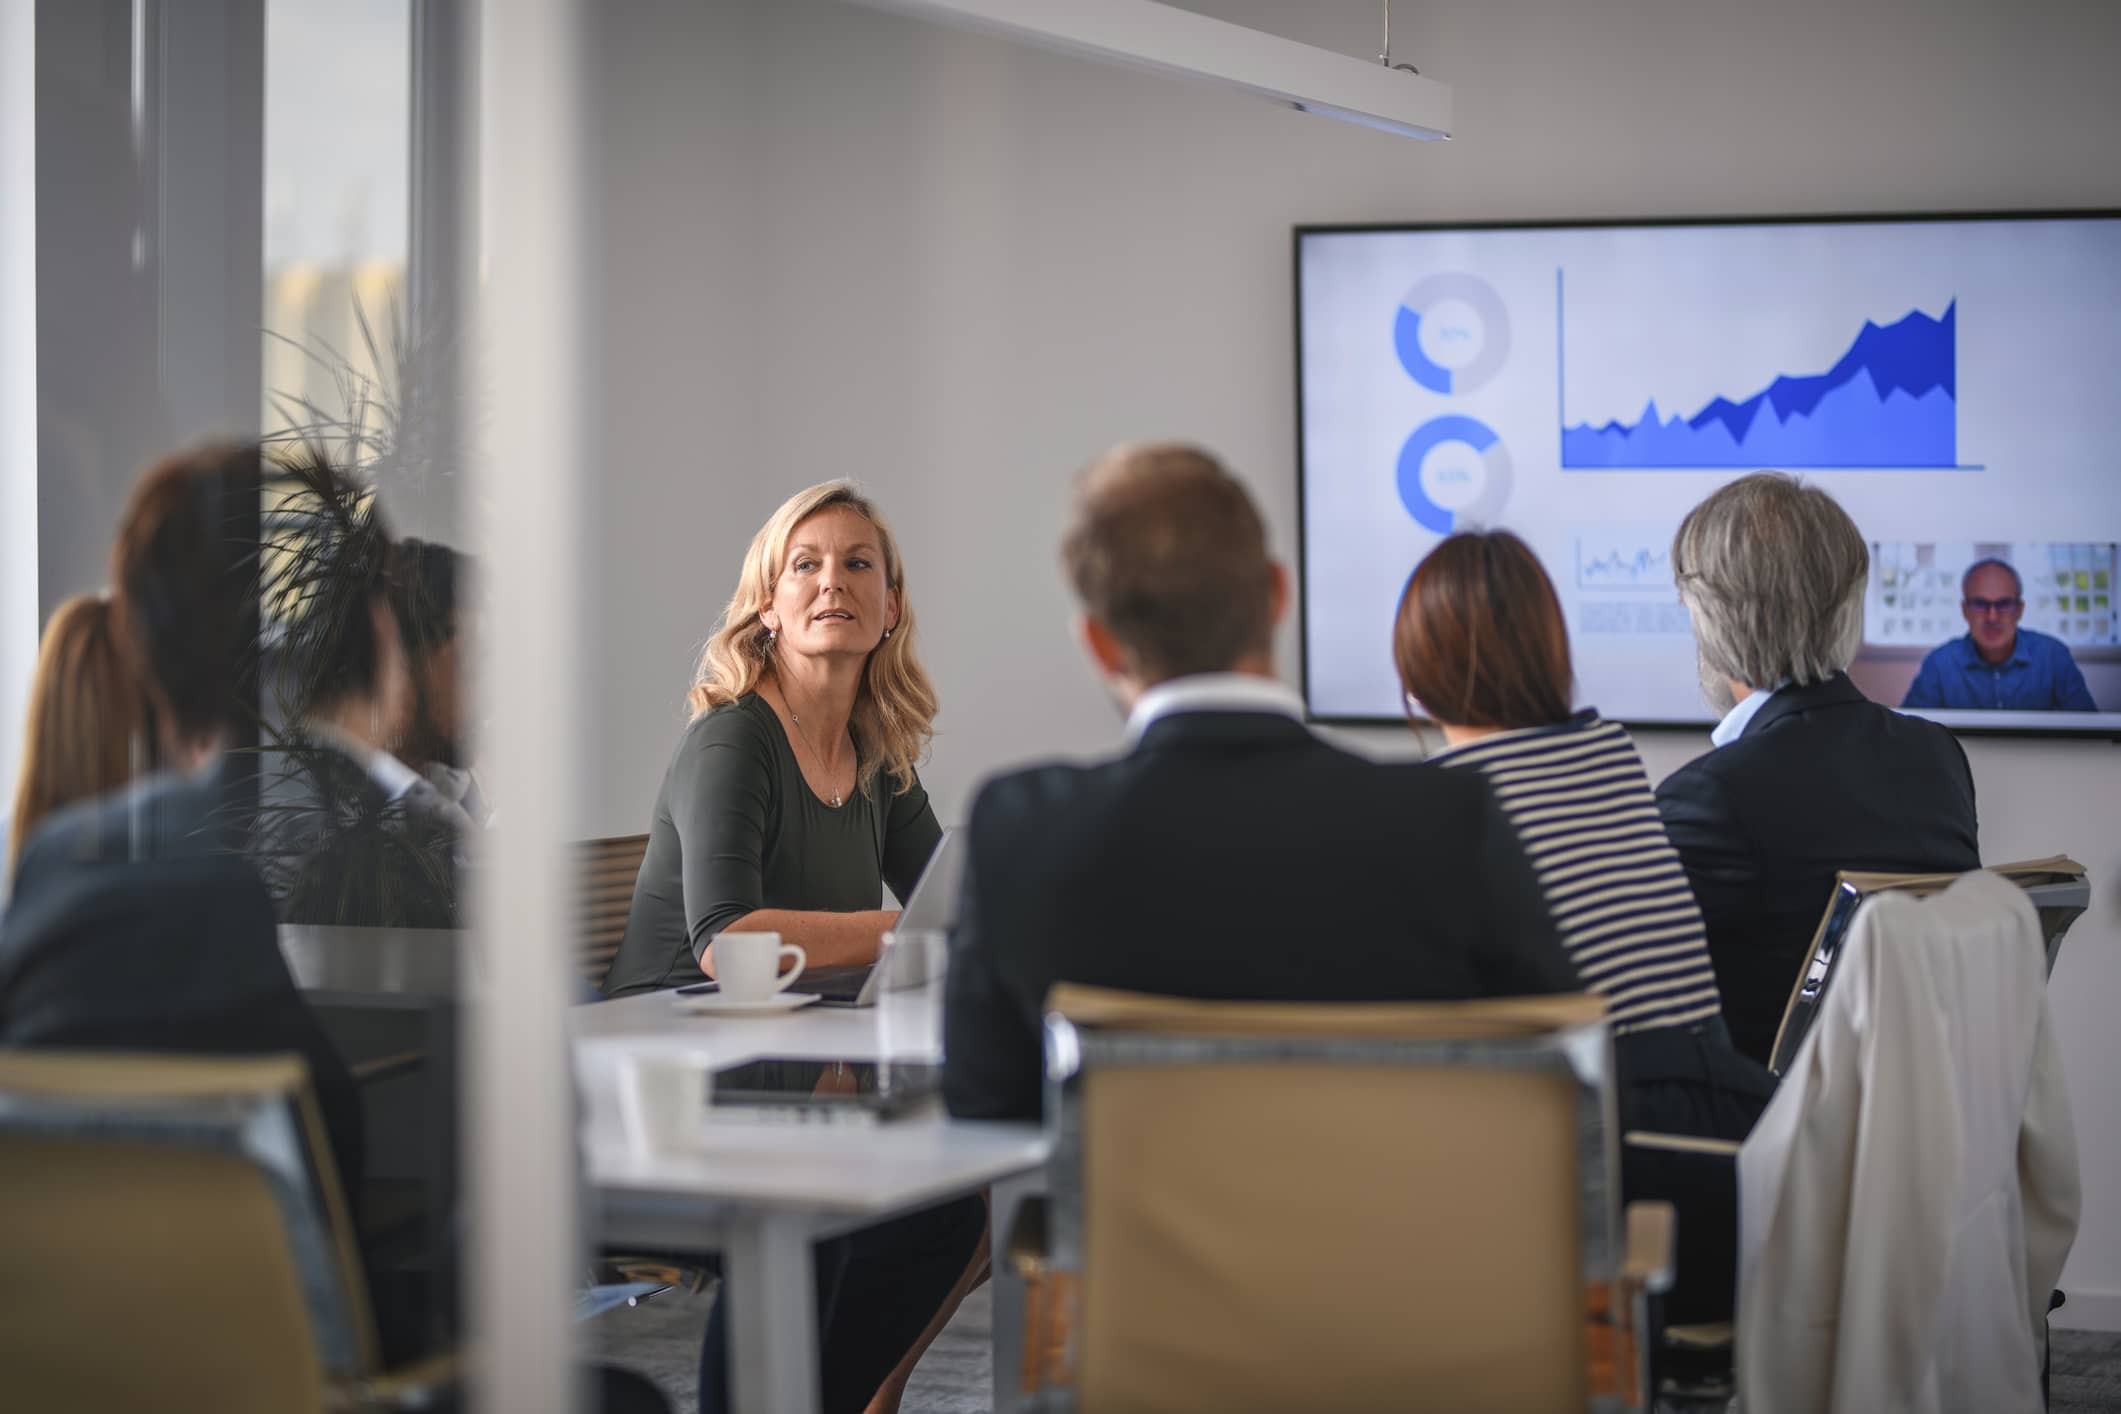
(815, 754)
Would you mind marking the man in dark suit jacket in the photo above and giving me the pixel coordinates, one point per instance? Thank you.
(1808, 776)
(136, 924)
(1230, 854)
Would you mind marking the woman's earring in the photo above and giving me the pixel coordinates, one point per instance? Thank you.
(771, 635)
(887, 633)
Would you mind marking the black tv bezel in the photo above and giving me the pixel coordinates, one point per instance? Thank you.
(1656, 724)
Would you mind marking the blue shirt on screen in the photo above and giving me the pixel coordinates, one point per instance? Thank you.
(2039, 676)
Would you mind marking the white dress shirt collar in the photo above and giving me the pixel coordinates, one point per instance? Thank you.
(1740, 717)
(1212, 692)
(392, 776)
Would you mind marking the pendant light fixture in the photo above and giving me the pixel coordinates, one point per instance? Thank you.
(1167, 40)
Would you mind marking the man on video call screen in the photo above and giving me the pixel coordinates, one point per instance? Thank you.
(1997, 665)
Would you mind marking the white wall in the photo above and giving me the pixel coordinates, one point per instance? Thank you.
(843, 243)
(678, 489)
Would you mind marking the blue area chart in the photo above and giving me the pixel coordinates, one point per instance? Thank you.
(1451, 333)
(1453, 470)
(1890, 401)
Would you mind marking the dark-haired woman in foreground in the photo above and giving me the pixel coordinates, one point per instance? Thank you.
(1483, 650)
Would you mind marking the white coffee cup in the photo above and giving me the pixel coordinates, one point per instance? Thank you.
(663, 1101)
(746, 964)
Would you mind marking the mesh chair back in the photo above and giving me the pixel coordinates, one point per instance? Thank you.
(172, 1237)
(1349, 1207)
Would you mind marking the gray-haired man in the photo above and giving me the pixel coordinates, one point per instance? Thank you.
(1808, 776)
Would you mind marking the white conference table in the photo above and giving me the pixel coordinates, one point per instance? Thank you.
(761, 1194)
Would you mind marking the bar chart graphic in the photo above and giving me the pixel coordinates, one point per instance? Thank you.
(1891, 400)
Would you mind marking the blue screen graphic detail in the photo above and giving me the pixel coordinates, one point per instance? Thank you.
(1451, 427)
(1406, 336)
(1890, 401)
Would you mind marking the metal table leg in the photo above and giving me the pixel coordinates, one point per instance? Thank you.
(772, 1325)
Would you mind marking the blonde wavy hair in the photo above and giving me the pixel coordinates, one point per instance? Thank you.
(894, 709)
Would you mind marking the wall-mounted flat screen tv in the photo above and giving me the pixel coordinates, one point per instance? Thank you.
(1954, 381)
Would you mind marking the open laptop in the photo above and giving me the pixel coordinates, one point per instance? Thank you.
(932, 908)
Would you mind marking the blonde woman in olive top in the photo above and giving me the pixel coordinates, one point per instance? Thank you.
(792, 799)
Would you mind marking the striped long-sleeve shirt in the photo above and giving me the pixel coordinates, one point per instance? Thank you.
(1582, 806)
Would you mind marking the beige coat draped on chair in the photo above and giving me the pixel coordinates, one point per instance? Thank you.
(1909, 1197)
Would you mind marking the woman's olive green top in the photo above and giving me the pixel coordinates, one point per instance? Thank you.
(737, 829)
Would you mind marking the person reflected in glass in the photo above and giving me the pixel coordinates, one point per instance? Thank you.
(1998, 665)
(87, 720)
(792, 799)
(1482, 649)
(347, 833)
(136, 921)
(427, 583)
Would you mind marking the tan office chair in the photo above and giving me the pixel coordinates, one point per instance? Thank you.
(1258, 1206)
(609, 868)
(173, 1237)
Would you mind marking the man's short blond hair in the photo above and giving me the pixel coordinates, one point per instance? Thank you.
(1165, 548)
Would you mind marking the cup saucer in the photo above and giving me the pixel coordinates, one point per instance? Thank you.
(715, 1004)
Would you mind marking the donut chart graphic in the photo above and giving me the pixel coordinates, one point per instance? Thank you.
(1454, 468)
(1452, 333)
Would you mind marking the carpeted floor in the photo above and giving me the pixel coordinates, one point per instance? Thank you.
(661, 1339)
(2084, 1374)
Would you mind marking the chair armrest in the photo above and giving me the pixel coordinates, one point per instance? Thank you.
(419, 1385)
(368, 1072)
(1679, 1143)
(1647, 1264)
(1029, 1245)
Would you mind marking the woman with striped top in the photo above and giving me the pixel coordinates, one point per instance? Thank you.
(1576, 792)
(1483, 650)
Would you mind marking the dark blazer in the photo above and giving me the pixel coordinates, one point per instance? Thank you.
(335, 848)
(1822, 779)
(136, 925)
(1232, 856)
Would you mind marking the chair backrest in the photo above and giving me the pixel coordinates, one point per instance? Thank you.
(1910, 1194)
(609, 868)
(172, 1237)
(1331, 1207)
(2059, 890)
